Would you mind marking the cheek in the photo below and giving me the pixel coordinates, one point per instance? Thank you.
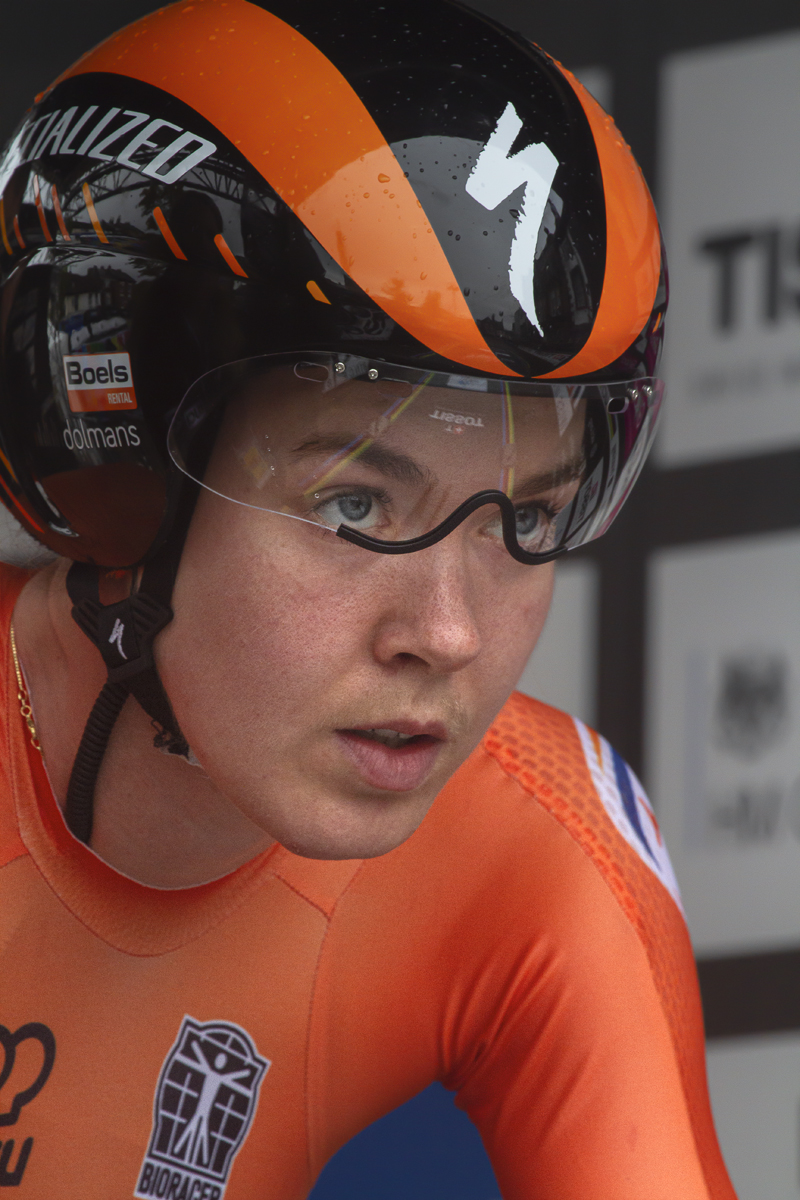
(270, 631)
(534, 612)
(516, 621)
(256, 620)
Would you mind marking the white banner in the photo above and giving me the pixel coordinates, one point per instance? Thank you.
(723, 723)
(755, 1093)
(730, 203)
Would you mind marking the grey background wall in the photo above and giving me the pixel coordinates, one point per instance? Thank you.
(706, 550)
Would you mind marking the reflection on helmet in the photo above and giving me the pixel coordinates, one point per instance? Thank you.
(454, 204)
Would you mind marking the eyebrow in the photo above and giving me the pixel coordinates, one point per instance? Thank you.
(389, 462)
(566, 472)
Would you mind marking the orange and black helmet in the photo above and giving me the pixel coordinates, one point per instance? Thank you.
(407, 183)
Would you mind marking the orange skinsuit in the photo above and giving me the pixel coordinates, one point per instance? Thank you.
(522, 947)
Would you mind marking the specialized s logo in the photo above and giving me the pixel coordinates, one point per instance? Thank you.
(10, 1108)
(204, 1104)
(116, 637)
(497, 174)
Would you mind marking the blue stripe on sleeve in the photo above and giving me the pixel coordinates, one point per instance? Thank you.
(629, 800)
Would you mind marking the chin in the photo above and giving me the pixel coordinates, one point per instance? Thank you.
(342, 833)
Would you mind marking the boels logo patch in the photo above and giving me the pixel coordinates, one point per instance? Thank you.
(203, 1107)
(99, 382)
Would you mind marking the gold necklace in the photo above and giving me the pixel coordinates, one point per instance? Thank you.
(22, 694)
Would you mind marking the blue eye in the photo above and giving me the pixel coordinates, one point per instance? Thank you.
(353, 508)
(528, 519)
(534, 527)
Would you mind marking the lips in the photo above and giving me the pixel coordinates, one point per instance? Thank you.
(396, 756)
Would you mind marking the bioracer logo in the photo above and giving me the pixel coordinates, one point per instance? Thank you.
(204, 1104)
(99, 382)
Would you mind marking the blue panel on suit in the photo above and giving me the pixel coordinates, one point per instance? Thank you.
(425, 1150)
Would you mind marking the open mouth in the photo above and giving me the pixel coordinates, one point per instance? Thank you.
(392, 759)
(391, 738)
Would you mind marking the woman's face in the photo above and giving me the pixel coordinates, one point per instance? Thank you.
(330, 691)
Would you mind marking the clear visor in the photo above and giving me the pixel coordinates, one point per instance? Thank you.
(394, 459)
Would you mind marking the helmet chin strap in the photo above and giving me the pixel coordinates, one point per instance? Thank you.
(124, 634)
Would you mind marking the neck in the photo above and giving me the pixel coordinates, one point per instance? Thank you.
(157, 818)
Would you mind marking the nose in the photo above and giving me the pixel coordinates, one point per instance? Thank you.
(429, 610)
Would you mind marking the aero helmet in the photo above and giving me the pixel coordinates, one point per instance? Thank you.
(405, 196)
